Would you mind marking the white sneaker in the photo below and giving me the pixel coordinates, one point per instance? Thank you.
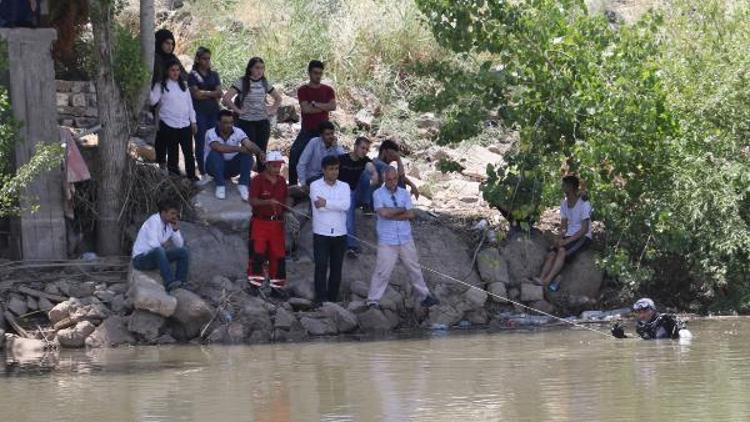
(204, 180)
(244, 194)
(221, 192)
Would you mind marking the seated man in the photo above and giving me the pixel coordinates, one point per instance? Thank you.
(230, 153)
(268, 196)
(394, 209)
(309, 167)
(575, 233)
(150, 249)
(653, 325)
(387, 154)
(356, 169)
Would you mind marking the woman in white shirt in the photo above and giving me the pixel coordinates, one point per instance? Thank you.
(176, 121)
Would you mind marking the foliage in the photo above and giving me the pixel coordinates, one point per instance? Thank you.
(446, 165)
(652, 116)
(131, 72)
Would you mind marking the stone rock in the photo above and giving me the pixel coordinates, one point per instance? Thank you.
(81, 290)
(392, 317)
(531, 292)
(524, 256)
(492, 267)
(165, 339)
(514, 293)
(191, 311)
(373, 321)
(45, 305)
(497, 289)
(444, 315)
(475, 298)
(63, 99)
(119, 304)
(118, 288)
(59, 312)
(359, 288)
(52, 289)
(300, 304)
(580, 279)
(364, 119)
(318, 326)
(2, 339)
(302, 288)
(356, 306)
(543, 306)
(477, 317)
(111, 333)
(204, 241)
(146, 324)
(78, 100)
(148, 294)
(105, 295)
(469, 199)
(32, 304)
(283, 319)
(17, 304)
(428, 121)
(75, 337)
(257, 323)
(89, 309)
(345, 321)
(289, 110)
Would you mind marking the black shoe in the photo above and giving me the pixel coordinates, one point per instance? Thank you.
(367, 209)
(429, 301)
(352, 253)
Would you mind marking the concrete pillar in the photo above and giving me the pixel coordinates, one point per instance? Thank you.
(31, 79)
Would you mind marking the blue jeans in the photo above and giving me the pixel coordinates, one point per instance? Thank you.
(359, 196)
(222, 169)
(296, 152)
(205, 122)
(162, 259)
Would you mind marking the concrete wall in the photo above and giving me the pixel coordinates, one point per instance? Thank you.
(76, 104)
(31, 76)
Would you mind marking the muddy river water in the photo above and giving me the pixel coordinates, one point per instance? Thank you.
(540, 375)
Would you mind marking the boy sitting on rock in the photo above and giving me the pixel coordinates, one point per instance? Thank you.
(575, 233)
(150, 249)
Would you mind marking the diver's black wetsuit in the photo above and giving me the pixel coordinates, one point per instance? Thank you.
(660, 326)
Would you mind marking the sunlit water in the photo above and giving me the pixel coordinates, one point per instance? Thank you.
(543, 375)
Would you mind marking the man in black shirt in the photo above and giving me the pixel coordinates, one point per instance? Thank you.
(357, 170)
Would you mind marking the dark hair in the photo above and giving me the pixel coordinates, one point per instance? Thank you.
(329, 160)
(246, 79)
(165, 76)
(225, 112)
(168, 204)
(325, 125)
(315, 64)
(198, 53)
(159, 37)
(571, 181)
(388, 144)
(360, 140)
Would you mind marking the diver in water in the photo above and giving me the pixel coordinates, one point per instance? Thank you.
(652, 324)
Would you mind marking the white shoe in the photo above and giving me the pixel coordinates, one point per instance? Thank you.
(204, 180)
(221, 192)
(244, 194)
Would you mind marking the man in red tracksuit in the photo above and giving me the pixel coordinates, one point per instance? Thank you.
(268, 196)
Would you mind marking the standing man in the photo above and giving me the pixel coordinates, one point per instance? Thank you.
(316, 100)
(330, 199)
(394, 209)
(575, 233)
(230, 153)
(268, 196)
(309, 167)
(150, 249)
(357, 170)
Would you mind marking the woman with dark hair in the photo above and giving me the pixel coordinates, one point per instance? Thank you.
(176, 120)
(249, 94)
(163, 53)
(205, 88)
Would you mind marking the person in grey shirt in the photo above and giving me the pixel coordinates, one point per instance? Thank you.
(309, 167)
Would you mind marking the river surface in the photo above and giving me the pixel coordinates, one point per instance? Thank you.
(541, 375)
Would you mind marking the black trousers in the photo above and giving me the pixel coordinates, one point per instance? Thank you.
(258, 131)
(169, 140)
(329, 254)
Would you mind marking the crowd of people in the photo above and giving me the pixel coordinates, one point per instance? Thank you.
(225, 134)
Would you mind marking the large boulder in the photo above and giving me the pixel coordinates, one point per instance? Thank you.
(289, 110)
(192, 312)
(373, 321)
(146, 324)
(147, 293)
(75, 310)
(318, 326)
(213, 251)
(498, 291)
(444, 315)
(344, 320)
(75, 337)
(17, 304)
(531, 292)
(492, 267)
(524, 256)
(111, 333)
(580, 281)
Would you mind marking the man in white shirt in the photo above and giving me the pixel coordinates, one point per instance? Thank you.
(150, 249)
(229, 154)
(575, 233)
(330, 199)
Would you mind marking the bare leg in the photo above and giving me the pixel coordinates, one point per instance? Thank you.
(548, 262)
(559, 262)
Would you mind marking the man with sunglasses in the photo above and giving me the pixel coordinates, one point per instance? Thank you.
(652, 324)
(394, 210)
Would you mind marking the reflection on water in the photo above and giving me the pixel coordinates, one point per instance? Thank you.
(551, 375)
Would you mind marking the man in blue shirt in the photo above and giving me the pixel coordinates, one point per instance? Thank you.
(309, 168)
(394, 210)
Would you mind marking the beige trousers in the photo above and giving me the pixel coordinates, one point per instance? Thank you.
(388, 255)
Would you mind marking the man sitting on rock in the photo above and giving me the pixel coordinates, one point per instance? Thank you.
(394, 210)
(330, 202)
(150, 249)
(652, 324)
(357, 170)
(387, 154)
(309, 167)
(575, 233)
(229, 154)
(268, 196)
